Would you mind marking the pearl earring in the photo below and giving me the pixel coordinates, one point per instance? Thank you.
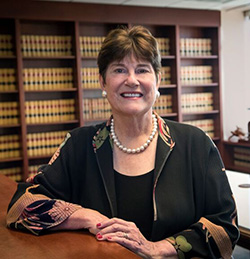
(104, 94)
(158, 94)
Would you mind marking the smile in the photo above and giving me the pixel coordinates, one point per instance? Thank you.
(131, 95)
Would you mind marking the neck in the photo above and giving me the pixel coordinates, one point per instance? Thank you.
(133, 125)
(130, 144)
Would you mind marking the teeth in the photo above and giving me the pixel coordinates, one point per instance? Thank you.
(131, 95)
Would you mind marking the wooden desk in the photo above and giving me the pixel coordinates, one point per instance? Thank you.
(64, 244)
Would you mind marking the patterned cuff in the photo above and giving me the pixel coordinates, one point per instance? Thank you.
(180, 244)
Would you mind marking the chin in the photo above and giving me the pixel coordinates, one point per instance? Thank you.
(133, 112)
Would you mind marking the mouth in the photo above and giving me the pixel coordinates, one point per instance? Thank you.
(131, 95)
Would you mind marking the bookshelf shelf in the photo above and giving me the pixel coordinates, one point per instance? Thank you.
(53, 123)
(167, 86)
(13, 159)
(52, 90)
(88, 58)
(50, 58)
(200, 85)
(201, 113)
(169, 115)
(9, 92)
(33, 60)
(200, 57)
(168, 57)
(237, 144)
(10, 126)
(7, 57)
(40, 157)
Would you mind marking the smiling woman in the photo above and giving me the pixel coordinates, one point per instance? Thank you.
(155, 186)
(131, 87)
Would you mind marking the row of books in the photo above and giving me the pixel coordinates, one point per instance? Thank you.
(207, 125)
(165, 75)
(242, 157)
(10, 146)
(163, 104)
(164, 46)
(195, 47)
(197, 102)
(55, 45)
(62, 78)
(192, 75)
(14, 173)
(7, 79)
(9, 113)
(49, 111)
(47, 78)
(44, 143)
(90, 45)
(96, 108)
(46, 45)
(58, 78)
(90, 78)
(6, 45)
(99, 108)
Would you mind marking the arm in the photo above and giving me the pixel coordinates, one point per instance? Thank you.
(41, 203)
(215, 234)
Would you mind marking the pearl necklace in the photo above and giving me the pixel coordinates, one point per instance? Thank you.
(133, 150)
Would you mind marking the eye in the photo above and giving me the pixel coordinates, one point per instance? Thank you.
(142, 70)
(119, 70)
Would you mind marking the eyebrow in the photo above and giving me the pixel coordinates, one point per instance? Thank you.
(123, 65)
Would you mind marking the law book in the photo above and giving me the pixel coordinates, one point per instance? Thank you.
(165, 75)
(6, 45)
(9, 146)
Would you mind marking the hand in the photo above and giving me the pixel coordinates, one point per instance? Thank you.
(91, 218)
(83, 219)
(127, 234)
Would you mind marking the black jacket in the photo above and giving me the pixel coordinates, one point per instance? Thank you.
(193, 203)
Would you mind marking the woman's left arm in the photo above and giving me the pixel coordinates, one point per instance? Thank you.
(216, 233)
(213, 236)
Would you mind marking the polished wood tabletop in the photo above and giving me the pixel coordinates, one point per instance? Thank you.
(64, 244)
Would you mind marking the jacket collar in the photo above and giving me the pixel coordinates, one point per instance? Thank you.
(102, 134)
(103, 148)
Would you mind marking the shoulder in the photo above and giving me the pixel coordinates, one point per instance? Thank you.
(183, 128)
(85, 133)
(185, 133)
(86, 129)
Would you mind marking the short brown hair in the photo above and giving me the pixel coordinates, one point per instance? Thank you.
(120, 42)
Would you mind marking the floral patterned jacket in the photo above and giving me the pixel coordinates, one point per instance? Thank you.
(194, 208)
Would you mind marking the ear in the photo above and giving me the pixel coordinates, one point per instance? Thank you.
(102, 82)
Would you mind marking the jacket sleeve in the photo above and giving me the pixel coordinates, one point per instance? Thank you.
(41, 202)
(215, 234)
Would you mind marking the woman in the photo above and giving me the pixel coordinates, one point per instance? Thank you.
(154, 186)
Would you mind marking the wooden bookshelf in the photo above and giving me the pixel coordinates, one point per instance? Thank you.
(43, 22)
(236, 156)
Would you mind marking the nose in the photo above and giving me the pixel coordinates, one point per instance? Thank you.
(132, 80)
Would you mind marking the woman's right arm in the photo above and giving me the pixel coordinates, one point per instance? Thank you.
(43, 202)
(38, 213)
(83, 219)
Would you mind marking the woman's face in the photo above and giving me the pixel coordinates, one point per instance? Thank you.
(131, 86)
